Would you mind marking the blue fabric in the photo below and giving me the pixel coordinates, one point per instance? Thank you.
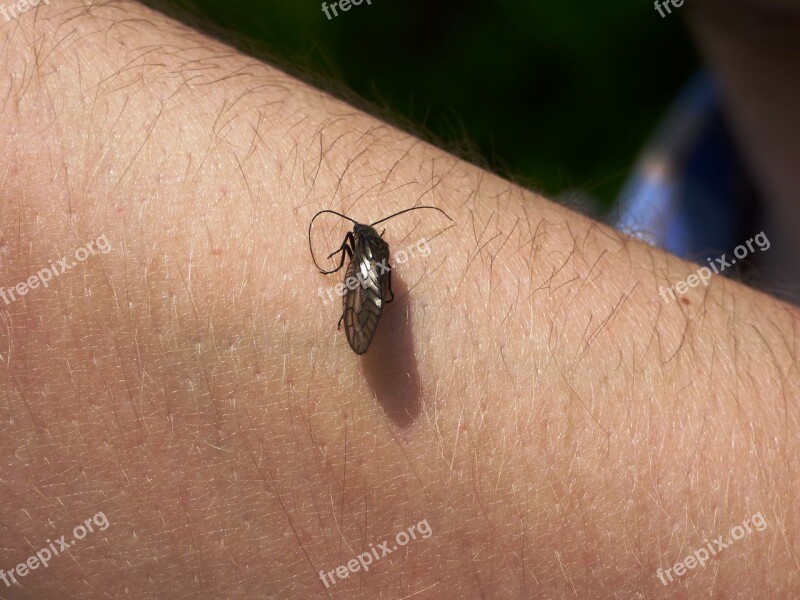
(689, 193)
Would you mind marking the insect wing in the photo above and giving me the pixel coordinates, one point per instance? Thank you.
(363, 302)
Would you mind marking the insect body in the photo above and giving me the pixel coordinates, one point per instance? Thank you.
(368, 278)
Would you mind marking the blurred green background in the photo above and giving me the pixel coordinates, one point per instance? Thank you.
(558, 96)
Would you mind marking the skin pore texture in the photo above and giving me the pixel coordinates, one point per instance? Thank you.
(529, 396)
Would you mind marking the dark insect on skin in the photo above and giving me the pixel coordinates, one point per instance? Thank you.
(368, 277)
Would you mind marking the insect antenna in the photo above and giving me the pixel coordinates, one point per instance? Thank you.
(322, 212)
(409, 210)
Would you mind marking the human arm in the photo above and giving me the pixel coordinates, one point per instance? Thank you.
(567, 432)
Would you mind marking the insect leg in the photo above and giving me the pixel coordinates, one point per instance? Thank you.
(346, 249)
(389, 287)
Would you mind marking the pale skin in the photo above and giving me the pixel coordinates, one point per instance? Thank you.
(562, 430)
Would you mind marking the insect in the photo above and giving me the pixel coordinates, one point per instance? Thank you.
(368, 277)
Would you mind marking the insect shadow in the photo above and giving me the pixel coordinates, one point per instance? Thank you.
(390, 367)
(368, 278)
